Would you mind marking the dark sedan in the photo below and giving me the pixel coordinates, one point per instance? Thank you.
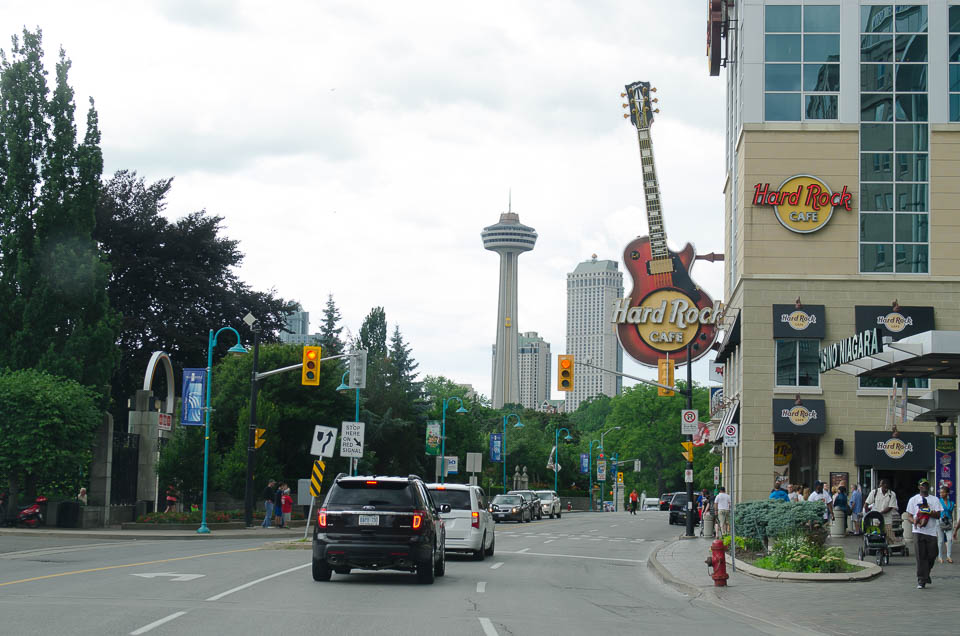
(665, 500)
(510, 508)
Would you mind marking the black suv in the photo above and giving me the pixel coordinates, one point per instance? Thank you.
(678, 508)
(379, 523)
(532, 500)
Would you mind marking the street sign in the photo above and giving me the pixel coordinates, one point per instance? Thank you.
(351, 439)
(636, 465)
(164, 422)
(619, 478)
(316, 477)
(452, 465)
(716, 475)
(688, 475)
(324, 440)
(473, 462)
(716, 371)
(194, 381)
(304, 496)
(688, 421)
(601, 470)
(731, 435)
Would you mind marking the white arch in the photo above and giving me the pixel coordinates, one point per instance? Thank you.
(160, 356)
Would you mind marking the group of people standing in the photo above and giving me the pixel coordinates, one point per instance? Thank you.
(277, 503)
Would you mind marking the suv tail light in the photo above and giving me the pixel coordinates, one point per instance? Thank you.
(476, 519)
(322, 518)
(418, 519)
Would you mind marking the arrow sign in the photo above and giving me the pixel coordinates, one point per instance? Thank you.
(172, 575)
(323, 443)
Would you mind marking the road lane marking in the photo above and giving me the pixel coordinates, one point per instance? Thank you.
(574, 556)
(522, 551)
(488, 627)
(26, 554)
(147, 628)
(173, 576)
(615, 525)
(481, 587)
(128, 565)
(549, 541)
(260, 580)
(496, 565)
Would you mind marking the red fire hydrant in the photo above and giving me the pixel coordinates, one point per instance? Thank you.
(717, 560)
(569, 506)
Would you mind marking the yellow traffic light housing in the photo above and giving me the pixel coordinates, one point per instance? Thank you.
(259, 439)
(687, 451)
(310, 374)
(565, 372)
(665, 376)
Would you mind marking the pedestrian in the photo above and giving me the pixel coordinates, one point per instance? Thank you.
(82, 498)
(287, 501)
(721, 510)
(779, 494)
(944, 540)
(268, 503)
(856, 509)
(884, 501)
(792, 493)
(806, 493)
(278, 505)
(923, 511)
(634, 500)
(819, 495)
(171, 499)
(841, 506)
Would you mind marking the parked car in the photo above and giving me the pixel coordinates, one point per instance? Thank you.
(549, 503)
(650, 503)
(510, 508)
(678, 508)
(379, 523)
(532, 499)
(665, 500)
(469, 525)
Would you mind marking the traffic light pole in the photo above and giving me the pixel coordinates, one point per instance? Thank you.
(252, 433)
(689, 393)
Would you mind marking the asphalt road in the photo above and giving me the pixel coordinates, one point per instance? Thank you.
(583, 574)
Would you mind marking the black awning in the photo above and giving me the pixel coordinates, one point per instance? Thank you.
(906, 451)
(731, 339)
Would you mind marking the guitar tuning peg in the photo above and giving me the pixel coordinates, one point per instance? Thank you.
(623, 94)
(625, 105)
(656, 110)
(626, 115)
(655, 100)
(653, 90)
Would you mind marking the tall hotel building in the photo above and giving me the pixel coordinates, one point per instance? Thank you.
(535, 378)
(297, 329)
(842, 216)
(592, 290)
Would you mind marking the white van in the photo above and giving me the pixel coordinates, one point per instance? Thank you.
(469, 525)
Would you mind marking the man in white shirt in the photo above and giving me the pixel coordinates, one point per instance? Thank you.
(923, 511)
(819, 495)
(884, 501)
(721, 505)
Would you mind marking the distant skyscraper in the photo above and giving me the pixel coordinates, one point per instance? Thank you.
(534, 370)
(508, 238)
(298, 324)
(592, 289)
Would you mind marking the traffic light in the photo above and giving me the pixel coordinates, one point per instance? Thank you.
(259, 439)
(310, 373)
(665, 376)
(565, 372)
(687, 451)
(357, 378)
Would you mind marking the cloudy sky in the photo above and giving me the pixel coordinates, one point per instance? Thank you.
(357, 148)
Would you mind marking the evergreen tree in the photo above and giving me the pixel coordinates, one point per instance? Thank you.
(330, 329)
(373, 333)
(57, 315)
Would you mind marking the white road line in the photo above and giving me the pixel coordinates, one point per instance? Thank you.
(496, 565)
(615, 525)
(487, 626)
(594, 530)
(574, 556)
(261, 580)
(522, 551)
(481, 587)
(549, 541)
(147, 628)
(26, 554)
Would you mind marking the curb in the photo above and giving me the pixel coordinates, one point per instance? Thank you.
(131, 535)
(869, 571)
(290, 544)
(667, 577)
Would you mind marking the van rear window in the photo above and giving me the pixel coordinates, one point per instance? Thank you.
(360, 493)
(457, 499)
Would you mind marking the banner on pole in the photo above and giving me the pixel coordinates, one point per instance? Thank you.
(584, 463)
(191, 410)
(496, 447)
(433, 438)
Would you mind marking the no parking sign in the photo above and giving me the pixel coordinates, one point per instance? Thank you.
(731, 435)
(688, 421)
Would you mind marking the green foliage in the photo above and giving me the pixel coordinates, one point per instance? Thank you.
(767, 518)
(743, 543)
(373, 333)
(796, 552)
(330, 329)
(213, 516)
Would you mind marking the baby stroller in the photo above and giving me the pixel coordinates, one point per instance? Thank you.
(875, 539)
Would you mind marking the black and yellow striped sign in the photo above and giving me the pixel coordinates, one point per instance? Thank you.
(316, 478)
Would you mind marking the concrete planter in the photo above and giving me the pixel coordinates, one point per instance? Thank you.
(869, 571)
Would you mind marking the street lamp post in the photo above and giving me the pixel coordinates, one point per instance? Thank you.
(609, 430)
(356, 417)
(590, 470)
(519, 424)
(237, 348)
(556, 458)
(443, 433)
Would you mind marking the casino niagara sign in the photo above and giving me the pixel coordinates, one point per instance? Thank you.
(802, 203)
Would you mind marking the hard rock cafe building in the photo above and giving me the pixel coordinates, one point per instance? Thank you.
(842, 234)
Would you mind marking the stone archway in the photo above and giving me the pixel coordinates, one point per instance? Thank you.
(157, 358)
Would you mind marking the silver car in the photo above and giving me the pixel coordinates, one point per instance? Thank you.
(469, 524)
(549, 503)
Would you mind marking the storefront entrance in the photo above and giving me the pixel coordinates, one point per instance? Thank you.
(796, 458)
(902, 460)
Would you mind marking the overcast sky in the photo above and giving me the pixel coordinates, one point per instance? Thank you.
(358, 148)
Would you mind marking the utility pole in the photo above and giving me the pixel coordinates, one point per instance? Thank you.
(689, 514)
(252, 433)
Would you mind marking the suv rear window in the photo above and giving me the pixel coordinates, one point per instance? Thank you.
(457, 499)
(545, 496)
(510, 500)
(360, 493)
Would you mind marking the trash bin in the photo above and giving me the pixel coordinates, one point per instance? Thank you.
(68, 514)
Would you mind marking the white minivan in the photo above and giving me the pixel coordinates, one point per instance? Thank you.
(469, 525)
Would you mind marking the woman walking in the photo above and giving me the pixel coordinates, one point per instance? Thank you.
(944, 538)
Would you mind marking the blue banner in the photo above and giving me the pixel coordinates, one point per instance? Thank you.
(191, 408)
(584, 463)
(496, 447)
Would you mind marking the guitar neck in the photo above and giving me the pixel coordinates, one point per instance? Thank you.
(651, 188)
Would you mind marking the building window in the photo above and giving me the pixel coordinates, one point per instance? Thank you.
(954, 26)
(798, 362)
(894, 139)
(801, 62)
(887, 383)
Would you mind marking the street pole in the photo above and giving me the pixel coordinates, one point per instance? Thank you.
(689, 514)
(356, 418)
(251, 434)
(556, 455)
(504, 451)
(443, 434)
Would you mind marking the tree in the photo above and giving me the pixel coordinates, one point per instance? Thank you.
(330, 329)
(373, 333)
(57, 315)
(172, 281)
(47, 427)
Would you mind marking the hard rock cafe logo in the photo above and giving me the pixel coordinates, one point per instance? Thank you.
(895, 448)
(802, 204)
(799, 415)
(895, 321)
(782, 453)
(666, 319)
(798, 320)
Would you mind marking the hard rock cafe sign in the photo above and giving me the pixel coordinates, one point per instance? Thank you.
(802, 203)
(798, 319)
(895, 321)
(895, 448)
(799, 415)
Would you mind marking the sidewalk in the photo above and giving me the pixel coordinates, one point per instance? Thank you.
(115, 533)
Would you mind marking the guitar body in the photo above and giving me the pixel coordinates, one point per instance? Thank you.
(638, 259)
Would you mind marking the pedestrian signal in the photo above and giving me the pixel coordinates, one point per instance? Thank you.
(259, 439)
(687, 451)
(565, 372)
(310, 374)
(665, 376)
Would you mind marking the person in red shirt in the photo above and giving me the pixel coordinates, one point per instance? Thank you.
(634, 500)
(287, 502)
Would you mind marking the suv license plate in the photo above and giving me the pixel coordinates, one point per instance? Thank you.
(369, 520)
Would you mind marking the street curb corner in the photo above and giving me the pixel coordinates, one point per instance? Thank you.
(653, 562)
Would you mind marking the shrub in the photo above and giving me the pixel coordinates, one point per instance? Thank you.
(796, 552)
(744, 544)
(769, 519)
